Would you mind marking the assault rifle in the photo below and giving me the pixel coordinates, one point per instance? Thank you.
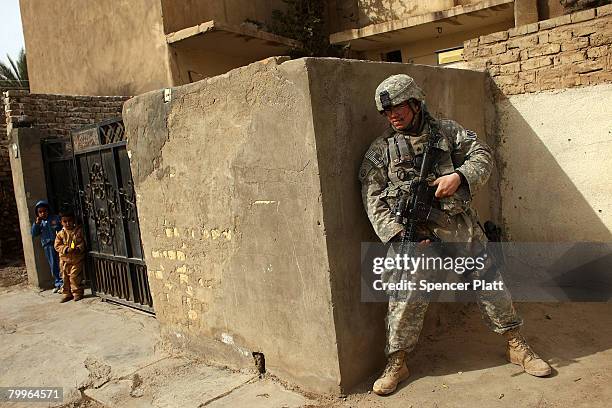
(415, 207)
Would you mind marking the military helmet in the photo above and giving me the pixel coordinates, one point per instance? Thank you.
(395, 90)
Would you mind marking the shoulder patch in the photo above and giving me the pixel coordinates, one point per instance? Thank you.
(470, 134)
(376, 160)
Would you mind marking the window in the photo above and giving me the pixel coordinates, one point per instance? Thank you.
(450, 55)
(394, 56)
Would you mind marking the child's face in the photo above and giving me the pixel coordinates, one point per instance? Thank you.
(43, 212)
(68, 222)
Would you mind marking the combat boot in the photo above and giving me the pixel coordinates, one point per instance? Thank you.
(520, 353)
(395, 372)
(66, 298)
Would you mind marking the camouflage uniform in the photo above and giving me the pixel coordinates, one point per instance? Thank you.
(386, 172)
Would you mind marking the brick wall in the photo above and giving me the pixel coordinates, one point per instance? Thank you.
(10, 243)
(56, 115)
(566, 51)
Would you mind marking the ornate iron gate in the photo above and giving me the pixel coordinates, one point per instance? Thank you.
(108, 206)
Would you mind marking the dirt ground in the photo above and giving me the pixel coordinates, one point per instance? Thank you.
(459, 363)
(106, 355)
(13, 273)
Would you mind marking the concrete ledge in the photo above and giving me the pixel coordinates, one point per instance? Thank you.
(231, 39)
(372, 36)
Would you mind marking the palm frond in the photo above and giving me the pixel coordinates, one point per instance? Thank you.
(15, 74)
(15, 70)
(22, 65)
(6, 73)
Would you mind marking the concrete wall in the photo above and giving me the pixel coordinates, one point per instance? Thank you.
(102, 48)
(556, 150)
(29, 182)
(251, 214)
(232, 227)
(179, 14)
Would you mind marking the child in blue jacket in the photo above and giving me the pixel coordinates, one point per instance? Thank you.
(47, 226)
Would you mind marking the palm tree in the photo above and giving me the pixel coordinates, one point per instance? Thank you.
(15, 76)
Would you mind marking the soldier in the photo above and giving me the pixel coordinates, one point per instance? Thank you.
(464, 165)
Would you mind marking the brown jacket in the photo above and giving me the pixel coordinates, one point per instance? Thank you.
(70, 245)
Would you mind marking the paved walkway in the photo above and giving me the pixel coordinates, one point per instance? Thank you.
(110, 354)
(105, 355)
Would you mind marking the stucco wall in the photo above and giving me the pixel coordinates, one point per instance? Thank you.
(556, 149)
(28, 172)
(232, 227)
(251, 214)
(98, 48)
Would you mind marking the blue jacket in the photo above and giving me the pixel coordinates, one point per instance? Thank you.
(47, 229)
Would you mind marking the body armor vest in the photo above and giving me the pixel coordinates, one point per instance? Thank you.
(404, 159)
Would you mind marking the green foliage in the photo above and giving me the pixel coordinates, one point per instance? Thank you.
(304, 21)
(16, 73)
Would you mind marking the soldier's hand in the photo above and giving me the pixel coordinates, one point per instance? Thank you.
(38, 220)
(424, 243)
(447, 185)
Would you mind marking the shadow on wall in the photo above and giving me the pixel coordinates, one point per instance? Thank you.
(379, 11)
(552, 148)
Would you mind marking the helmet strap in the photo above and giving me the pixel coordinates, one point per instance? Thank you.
(417, 117)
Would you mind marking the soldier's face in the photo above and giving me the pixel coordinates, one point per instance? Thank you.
(400, 116)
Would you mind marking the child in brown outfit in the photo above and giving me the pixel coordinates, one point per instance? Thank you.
(70, 246)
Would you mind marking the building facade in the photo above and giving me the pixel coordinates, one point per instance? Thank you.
(122, 47)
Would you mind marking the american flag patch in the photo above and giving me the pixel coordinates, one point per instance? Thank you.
(373, 157)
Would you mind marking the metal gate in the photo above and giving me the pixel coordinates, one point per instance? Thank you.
(110, 218)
